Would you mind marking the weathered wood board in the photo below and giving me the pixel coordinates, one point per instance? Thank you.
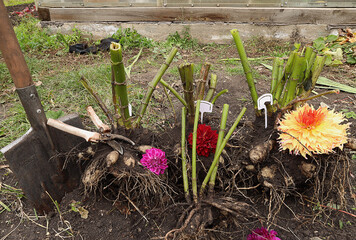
(199, 3)
(236, 15)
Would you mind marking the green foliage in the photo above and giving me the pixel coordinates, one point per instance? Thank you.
(130, 38)
(183, 40)
(348, 113)
(335, 52)
(32, 37)
(54, 114)
(16, 2)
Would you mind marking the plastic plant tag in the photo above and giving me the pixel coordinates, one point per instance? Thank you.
(261, 104)
(205, 106)
(130, 110)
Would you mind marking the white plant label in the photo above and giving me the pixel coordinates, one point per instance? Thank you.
(205, 106)
(130, 110)
(261, 104)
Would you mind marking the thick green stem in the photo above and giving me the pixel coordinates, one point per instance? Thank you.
(310, 56)
(175, 93)
(218, 95)
(219, 151)
(184, 158)
(297, 73)
(204, 72)
(282, 92)
(120, 82)
(315, 73)
(186, 72)
(153, 85)
(280, 85)
(212, 86)
(194, 154)
(275, 71)
(218, 144)
(247, 69)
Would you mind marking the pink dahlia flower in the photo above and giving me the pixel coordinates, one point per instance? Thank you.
(155, 160)
(263, 234)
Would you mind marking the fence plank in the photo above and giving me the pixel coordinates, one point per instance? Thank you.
(236, 15)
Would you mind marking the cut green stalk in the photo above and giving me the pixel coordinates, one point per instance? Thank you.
(278, 88)
(175, 93)
(280, 85)
(282, 95)
(120, 82)
(219, 151)
(310, 58)
(204, 72)
(218, 95)
(315, 73)
(298, 69)
(153, 85)
(100, 102)
(218, 144)
(186, 72)
(184, 159)
(278, 75)
(308, 53)
(275, 71)
(212, 86)
(194, 154)
(247, 69)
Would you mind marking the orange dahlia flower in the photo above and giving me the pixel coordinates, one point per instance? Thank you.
(307, 131)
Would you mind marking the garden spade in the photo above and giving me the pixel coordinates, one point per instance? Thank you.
(33, 158)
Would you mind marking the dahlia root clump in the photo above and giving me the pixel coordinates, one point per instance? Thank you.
(263, 234)
(307, 131)
(206, 140)
(155, 160)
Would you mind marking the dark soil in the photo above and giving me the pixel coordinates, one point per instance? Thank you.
(293, 211)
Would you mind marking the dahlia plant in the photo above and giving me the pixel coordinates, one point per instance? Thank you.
(295, 79)
(191, 93)
(207, 141)
(119, 90)
(307, 131)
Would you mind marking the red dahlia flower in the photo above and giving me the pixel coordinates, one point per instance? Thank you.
(206, 140)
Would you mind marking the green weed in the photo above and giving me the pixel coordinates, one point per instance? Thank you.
(335, 52)
(16, 2)
(33, 38)
(130, 38)
(183, 40)
(348, 114)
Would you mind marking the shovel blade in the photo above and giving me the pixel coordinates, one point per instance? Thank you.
(40, 175)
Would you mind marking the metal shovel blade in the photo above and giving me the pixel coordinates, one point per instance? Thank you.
(40, 175)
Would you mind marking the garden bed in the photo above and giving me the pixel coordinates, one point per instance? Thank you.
(294, 213)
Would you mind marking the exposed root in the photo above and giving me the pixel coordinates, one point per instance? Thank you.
(198, 217)
(259, 152)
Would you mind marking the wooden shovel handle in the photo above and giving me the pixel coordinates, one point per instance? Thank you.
(11, 51)
(87, 135)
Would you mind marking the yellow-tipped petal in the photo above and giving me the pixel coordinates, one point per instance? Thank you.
(307, 131)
